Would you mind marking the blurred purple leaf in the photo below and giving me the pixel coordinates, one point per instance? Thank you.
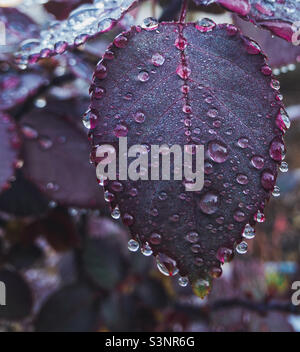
(279, 51)
(9, 149)
(56, 154)
(276, 16)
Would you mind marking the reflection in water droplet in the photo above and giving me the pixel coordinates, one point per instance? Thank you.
(146, 250)
(133, 246)
(166, 265)
(183, 281)
(259, 217)
(209, 203)
(242, 247)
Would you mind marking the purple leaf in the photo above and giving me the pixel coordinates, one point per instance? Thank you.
(56, 155)
(16, 88)
(84, 22)
(279, 51)
(62, 8)
(9, 146)
(277, 16)
(214, 92)
(18, 27)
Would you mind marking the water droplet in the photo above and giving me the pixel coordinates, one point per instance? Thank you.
(252, 47)
(267, 179)
(276, 191)
(143, 76)
(45, 142)
(157, 60)
(60, 47)
(192, 237)
(275, 84)
(183, 71)
(89, 119)
(29, 132)
(201, 287)
(133, 246)
(266, 70)
(120, 131)
(239, 216)
(282, 120)
(242, 179)
(284, 167)
(277, 149)
(139, 117)
(155, 238)
(183, 281)
(209, 203)
(121, 41)
(242, 247)
(108, 196)
(166, 265)
(248, 232)
(115, 214)
(224, 255)
(257, 162)
(150, 24)
(243, 142)
(205, 25)
(259, 217)
(146, 250)
(101, 71)
(217, 151)
(127, 219)
(215, 272)
(181, 43)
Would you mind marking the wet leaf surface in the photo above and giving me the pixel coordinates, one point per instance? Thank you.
(279, 51)
(56, 155)
(187, 94)
(277, 16)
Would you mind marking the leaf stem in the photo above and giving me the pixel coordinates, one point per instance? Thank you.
(183, 11)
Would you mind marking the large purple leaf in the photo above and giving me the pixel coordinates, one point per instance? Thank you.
(277, 16)
(9, 145)
(279, 51)
(18, 27)
(216, 91)
(85, 22)
(56, 154)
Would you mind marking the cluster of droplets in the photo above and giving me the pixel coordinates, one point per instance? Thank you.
(85, 21)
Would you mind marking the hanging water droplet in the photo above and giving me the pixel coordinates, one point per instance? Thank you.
(115, 214)
(248, 232)
(259, 217)
(242, 247)
(108, 196)
(282, 120)
(183, 281)
(29, 132)
(277, 149)
(133, 246)
(45, 142)
(267, 180)
(166, 265)
(150, 24)
(201, 287)
(60, 47)
(284, 167)
(146, 250)
(120, 41)
(276, 191)
(275, 84)
(224, 255)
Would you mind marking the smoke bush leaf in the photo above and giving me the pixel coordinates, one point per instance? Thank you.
(9, 145)
(277, 16)
(191, 84)
(56, 155)
(86, 21)
(279, 51)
